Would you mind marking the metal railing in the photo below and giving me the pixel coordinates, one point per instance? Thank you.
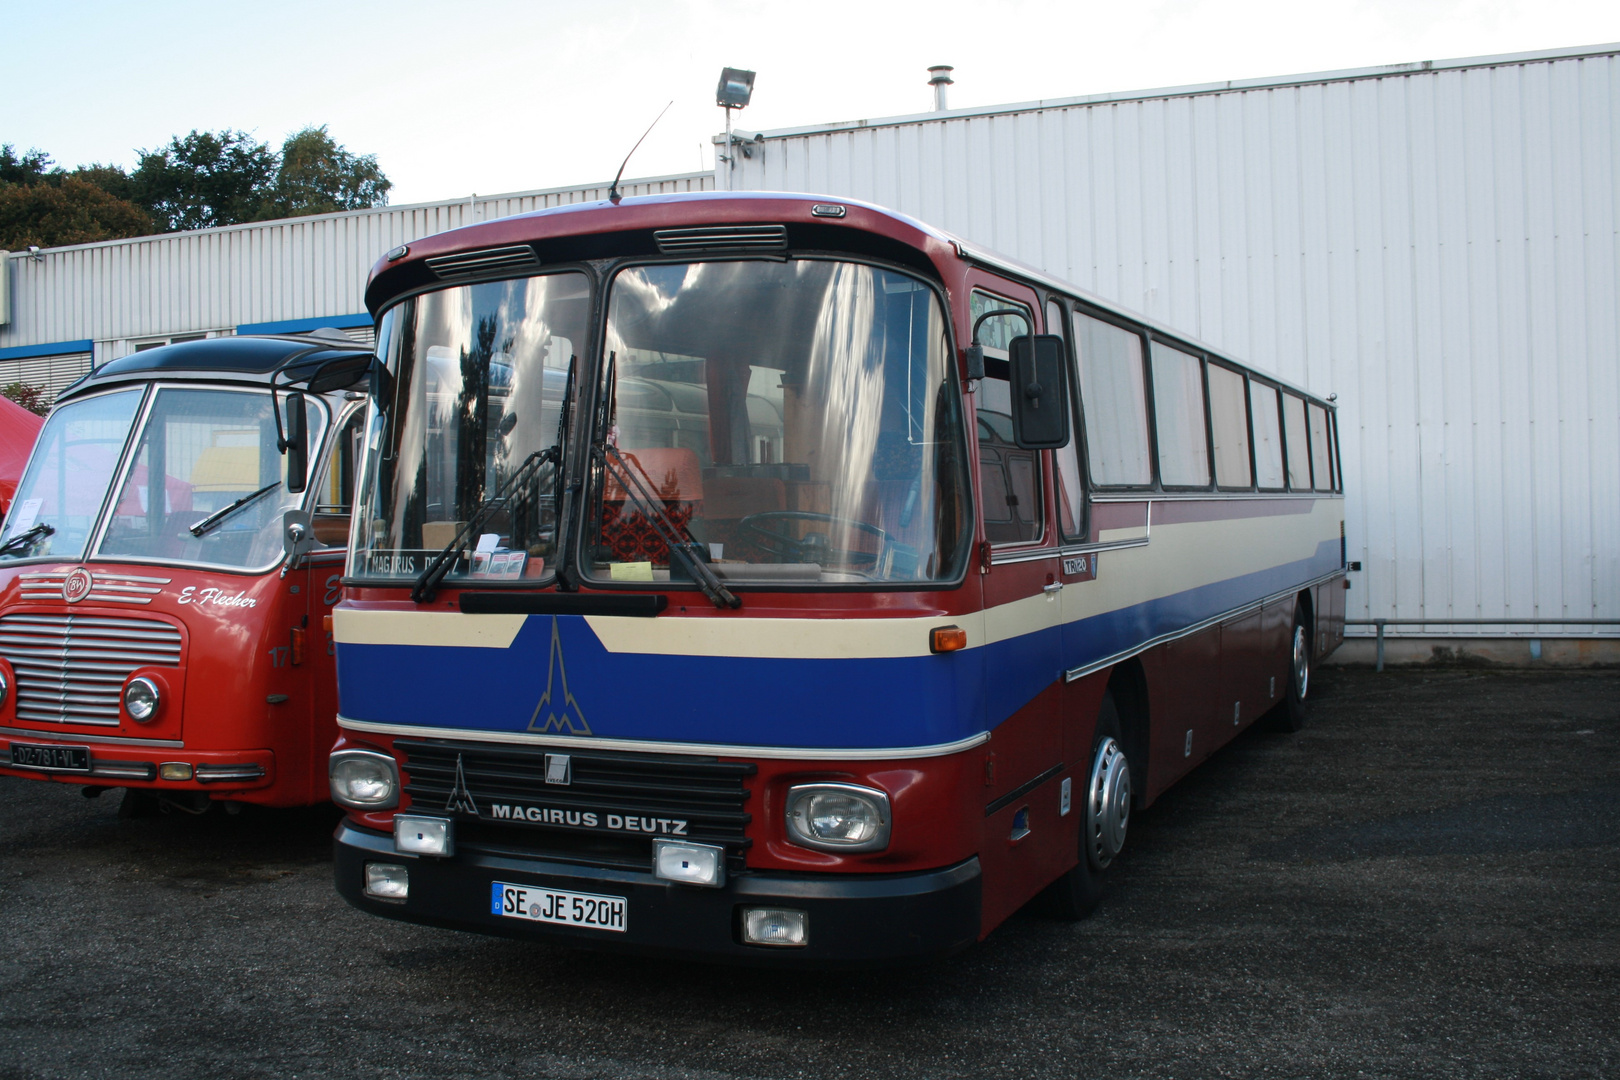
(1381, 623)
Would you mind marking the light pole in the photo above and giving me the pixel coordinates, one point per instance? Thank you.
(735, 89)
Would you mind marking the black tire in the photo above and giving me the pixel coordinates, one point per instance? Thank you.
(1104, 805)
(1290, 714)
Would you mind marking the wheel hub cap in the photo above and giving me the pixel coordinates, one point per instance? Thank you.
(1302, 663)
(1108, 806)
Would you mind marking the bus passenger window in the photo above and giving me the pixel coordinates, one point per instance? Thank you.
(1113, 401)
(1178, 407)
(1299, 454)
(1321, 471)
(1268, 455)
(1230, 423)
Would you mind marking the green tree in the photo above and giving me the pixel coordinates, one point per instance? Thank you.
(205, 179)
(31, 398)
(30, 168)
(66, 211)
(317, 176)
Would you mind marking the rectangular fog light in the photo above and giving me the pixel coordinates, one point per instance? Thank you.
(175, 770)
(775, 926)
(387, 881)
(689, 864)
(423, 834)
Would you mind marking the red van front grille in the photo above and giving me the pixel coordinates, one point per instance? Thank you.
(71, 668)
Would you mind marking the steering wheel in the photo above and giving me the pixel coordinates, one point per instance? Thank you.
(757, 529)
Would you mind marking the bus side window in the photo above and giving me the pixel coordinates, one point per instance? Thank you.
(1113, 402)
(1009, 478)
(1295, 443)
(335, 498)
(1178, 408)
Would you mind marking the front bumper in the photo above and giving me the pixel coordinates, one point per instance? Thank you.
(123, 765)
(855, 919)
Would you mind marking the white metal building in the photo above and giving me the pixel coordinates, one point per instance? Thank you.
(1437, 243)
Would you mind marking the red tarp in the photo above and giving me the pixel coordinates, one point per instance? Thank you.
(18, 430)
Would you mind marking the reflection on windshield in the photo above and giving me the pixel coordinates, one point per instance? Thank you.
(795, 420)
(199, 452)
(69, 474)
(481, 371)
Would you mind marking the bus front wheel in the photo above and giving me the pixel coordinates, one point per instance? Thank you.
(1105, 811)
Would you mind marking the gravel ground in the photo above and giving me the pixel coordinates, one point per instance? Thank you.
(1424, 882)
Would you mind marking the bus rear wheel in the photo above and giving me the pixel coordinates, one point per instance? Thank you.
(1105, 813)
(1290, 714)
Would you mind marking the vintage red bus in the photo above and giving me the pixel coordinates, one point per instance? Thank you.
(771, 578)
(164, 584)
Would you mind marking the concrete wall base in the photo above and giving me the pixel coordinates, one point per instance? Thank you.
(1480, 651)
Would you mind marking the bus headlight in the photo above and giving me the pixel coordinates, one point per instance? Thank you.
(141, 699)
(363, 779)
(838, 817)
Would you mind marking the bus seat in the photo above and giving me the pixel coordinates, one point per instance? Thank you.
(671, 474)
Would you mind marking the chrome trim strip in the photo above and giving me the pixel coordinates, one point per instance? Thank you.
(1023, 556)
(1136, 650)
(782, 753)
(29, 733)
(1207, 496)
(1111, 545)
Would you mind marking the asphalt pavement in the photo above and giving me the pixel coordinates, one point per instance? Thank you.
(1425, 882)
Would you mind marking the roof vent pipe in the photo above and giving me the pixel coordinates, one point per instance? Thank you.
(939, 77)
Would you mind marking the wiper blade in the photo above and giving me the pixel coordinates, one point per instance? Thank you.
(442, 563)
(224, 512)
(26, 539)
(658, 516)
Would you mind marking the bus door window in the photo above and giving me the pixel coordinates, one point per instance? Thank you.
(334, 497)
(1071, 500)
(1009, 478)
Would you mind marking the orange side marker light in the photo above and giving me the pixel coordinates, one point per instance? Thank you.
(947, 639)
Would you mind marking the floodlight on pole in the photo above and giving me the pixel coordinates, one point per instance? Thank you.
(735, 89)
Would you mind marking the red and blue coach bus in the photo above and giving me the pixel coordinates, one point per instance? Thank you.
(759, 577)
(165, 569)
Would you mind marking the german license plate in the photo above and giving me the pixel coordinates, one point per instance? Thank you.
(54, 758)
(538, 904)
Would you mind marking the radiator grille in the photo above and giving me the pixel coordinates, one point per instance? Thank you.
(707, 794)
(70, 668)
(488, 261)
(722, 238)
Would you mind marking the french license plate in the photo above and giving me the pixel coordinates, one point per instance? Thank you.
(54, 758)
(555, 906)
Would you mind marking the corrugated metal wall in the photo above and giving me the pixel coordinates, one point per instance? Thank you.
(1437, 244)
(217, 279)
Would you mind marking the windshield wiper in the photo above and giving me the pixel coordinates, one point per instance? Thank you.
(221, 514)
(26, 539)
(680, 550)
(442, 563)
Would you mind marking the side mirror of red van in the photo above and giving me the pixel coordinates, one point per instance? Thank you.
(296, 443)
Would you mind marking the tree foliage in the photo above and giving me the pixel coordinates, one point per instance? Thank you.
(196, 181)
(31, 398)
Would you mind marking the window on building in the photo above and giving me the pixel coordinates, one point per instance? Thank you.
(1178, 411)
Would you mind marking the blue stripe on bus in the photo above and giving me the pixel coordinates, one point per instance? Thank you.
(760, 701)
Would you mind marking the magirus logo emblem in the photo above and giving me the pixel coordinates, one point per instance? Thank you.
(461, 800)
(558, 711)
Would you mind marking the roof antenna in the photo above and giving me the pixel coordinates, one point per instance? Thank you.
(613, 189)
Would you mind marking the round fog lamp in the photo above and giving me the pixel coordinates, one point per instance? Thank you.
(141, 699)
(363, 780)
(838, 817)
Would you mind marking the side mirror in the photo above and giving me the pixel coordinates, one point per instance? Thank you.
(297, 538)
(1039, 373)
(296, 444)
(341, 373)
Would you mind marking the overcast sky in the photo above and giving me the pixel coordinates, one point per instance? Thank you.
(455, 98)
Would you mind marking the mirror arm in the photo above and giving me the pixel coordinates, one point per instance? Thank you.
(975, 351)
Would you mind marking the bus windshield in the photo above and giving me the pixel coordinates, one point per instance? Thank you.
(197, 452)
(792, 422)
